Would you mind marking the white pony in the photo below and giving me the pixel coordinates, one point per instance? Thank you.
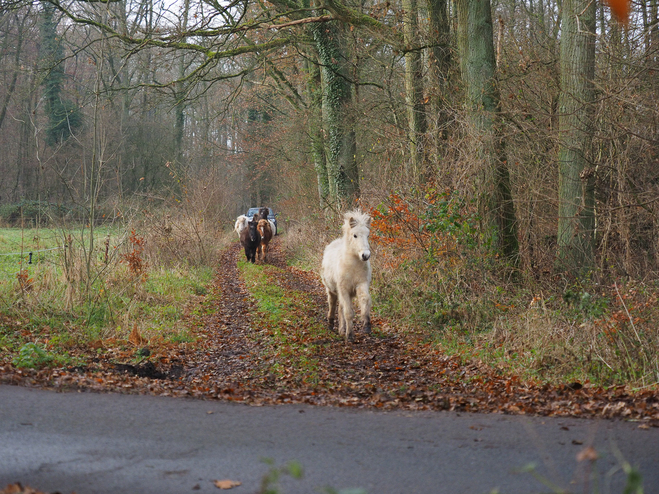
(273, 225)
(241, 224)
(346, 273)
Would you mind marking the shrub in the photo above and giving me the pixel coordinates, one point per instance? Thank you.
(32, 356)
(31, 213)
(431, 260)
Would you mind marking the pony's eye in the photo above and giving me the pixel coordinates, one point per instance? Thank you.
(355, 236)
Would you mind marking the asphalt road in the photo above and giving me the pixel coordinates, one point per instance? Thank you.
(119, 444)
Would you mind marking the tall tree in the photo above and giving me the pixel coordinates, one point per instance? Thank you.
(416, 117)
(179, 91)
(440, 63)
(63, 116)
(20, 22)
(484, 107)
(576, 199)
(340, 140)
(315, 105)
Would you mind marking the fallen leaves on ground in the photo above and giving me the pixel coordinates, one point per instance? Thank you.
(388, 369)
(226, 484)
(135, 337)
(18, 488)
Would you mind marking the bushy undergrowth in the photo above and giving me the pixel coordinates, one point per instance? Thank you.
(434, 272)
(604, 334)
(61, 291)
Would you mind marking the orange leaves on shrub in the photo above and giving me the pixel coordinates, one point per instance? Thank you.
(136, 264)
(24, 280)
(396, 228)
(629, 310)
(433, 228)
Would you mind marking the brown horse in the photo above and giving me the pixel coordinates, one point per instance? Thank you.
(265, 230)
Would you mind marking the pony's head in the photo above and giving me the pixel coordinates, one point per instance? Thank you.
(263, 225)
(253, 231)
(356, 228)
(241, 223)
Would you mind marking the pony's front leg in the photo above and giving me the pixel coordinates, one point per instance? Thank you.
(365, 304)
(331, 314)
(346, 314)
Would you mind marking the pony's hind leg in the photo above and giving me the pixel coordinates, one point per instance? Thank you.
(331, 314)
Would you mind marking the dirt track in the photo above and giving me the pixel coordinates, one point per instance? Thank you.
(388, 369)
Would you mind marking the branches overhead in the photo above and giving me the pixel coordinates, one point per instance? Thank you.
(217, 31)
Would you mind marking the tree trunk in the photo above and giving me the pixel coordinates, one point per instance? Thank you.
(576, 213)
(20, 29)
(483, 100)
(315, 99)
(340, 141)
(179, 109)
(440, 64)
(414, 88)
(462, 35)
(63, 116)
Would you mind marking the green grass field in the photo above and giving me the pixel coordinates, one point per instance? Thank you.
(28, 248)
(58, 295)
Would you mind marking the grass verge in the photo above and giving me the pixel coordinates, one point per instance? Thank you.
(289, 328)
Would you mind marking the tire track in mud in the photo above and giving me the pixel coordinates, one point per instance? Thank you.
(227, 356)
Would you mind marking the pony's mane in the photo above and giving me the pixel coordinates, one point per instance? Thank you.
(357, 218)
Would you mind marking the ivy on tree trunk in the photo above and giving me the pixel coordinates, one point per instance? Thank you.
(63, 115)
(340, 139)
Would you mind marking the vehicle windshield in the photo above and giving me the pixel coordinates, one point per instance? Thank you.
(252, 211)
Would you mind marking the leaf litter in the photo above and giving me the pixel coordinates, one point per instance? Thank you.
(232, 359)
(226, 484)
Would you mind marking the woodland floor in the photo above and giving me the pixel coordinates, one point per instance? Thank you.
(389, 369)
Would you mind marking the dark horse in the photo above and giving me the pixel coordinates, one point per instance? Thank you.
(263, 213)
(250, 239)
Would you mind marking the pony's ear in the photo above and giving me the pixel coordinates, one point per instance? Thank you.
(352, 221)
(368, 221)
